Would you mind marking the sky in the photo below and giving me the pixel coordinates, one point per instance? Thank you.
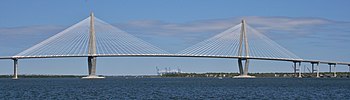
(312, 29)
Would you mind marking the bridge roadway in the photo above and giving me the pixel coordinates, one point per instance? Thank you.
(178, 55)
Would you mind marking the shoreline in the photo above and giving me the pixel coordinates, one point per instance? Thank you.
(189, 75)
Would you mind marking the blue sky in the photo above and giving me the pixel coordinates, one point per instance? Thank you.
(312, 29)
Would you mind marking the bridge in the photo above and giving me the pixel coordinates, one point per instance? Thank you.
(92, 38)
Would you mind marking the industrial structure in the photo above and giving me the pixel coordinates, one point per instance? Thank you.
(168, 70)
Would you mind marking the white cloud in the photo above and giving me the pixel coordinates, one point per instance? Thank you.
(25, 30)
(286, 24)
(291, 25)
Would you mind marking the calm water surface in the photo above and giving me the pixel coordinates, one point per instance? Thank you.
(175, 88)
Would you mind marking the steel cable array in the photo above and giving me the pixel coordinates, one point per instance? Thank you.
(112, 41)
(73, 41)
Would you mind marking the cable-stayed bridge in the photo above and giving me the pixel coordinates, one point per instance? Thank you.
(92, 38)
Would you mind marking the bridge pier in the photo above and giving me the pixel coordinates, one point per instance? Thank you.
(246, 65)
(240, 66)
(318, 71)
(300, 76)
(313, 68)
(335, 72)
(243, 72)
(92, 66)
(297, 69)
(330, 69)
(15, 69)
(92, 69)
(349, 70)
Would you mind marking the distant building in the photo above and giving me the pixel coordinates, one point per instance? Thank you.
(168, 70)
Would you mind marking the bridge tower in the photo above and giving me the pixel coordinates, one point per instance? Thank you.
(243, 54)
(92, 51)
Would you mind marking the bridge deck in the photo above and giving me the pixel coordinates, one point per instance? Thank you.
(178, 55)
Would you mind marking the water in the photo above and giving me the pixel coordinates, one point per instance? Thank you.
(175, 88)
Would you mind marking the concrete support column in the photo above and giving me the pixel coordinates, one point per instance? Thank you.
(15, 69)
(318, 71)
(312, 67)
(335, 72)
(317, 68)
(300, 70)
(295, 68)
(240, 66)
(330, 68)
(92, 69)
(349, 70)
(245, 72)
(92, 66)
